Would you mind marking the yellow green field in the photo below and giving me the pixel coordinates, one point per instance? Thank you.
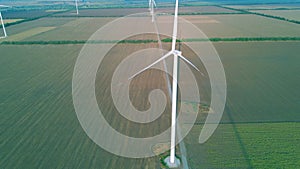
(29, 33)
(11, 20)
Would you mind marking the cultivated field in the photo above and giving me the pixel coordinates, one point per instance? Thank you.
(43, 22)
(249, 145)
(127, 11)
(37, 99)
(244, 26)
(40, 129)
(74, 29)
(198, 10)
(264, 75)
(221, 26)
(117, 12)
(29, 33)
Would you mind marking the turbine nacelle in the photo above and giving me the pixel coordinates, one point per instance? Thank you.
(177, 52)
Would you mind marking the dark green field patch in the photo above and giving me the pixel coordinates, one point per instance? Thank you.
(265, 145)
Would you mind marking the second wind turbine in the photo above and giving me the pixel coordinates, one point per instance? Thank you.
(152, 4)
(2, 22)
(76, 6)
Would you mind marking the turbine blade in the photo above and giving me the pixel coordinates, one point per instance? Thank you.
(3, 26)
(76, 6)
(160, 59)
(186, 60)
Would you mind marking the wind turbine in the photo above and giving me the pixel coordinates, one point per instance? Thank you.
(76, 6)
(2, 23)
(176, 54)
(152, 4)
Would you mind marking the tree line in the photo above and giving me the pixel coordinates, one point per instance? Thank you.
(166, 40)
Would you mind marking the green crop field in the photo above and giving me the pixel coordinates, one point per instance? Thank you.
(265, 75)
(25, 14)
(260, 54)
(248, 145)
(29, 33)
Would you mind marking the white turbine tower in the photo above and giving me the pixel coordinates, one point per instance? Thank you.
(177, 54)
(2, 23)
(152, 4)
(76, 6)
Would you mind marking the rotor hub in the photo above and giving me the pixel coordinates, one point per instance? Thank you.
(177, 52)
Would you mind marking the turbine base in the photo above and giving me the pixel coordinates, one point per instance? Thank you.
(176, 164)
